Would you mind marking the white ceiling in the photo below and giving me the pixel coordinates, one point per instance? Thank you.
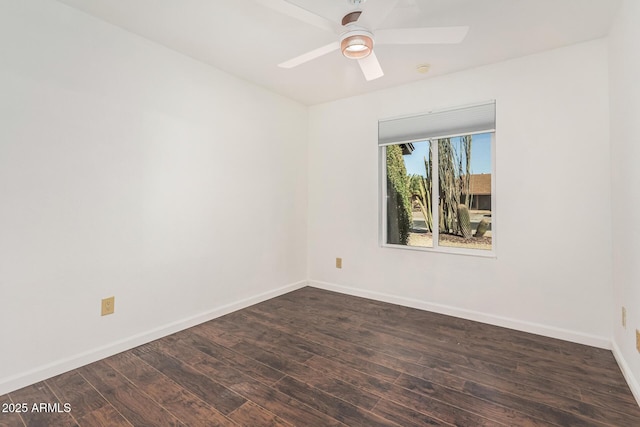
(247, 39)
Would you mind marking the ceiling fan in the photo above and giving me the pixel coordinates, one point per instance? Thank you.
(357, 36)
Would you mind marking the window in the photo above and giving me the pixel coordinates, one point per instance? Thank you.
(437, 181)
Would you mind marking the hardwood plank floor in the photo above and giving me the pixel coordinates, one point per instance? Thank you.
(318, 358)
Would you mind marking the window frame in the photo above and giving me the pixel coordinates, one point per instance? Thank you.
(382, 208)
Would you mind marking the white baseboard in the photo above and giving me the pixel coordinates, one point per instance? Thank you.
(534, 328)
(626, 371)
(58, 367)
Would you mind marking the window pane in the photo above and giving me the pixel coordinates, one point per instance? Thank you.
(409, 214)
(464, 177)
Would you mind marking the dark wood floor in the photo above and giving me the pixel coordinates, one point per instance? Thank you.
(316, 358)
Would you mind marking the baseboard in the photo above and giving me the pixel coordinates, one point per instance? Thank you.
(58, 367)
(534, 328)
(626, 371)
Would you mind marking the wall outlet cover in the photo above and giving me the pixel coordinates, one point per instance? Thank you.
(338, 262)
(108, 306)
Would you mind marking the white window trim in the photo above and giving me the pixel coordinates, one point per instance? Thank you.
(382, 211)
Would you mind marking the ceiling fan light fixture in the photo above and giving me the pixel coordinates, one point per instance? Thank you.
(356, 44)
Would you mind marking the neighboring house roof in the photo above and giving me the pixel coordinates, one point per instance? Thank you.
(407, 148)
(480, 184)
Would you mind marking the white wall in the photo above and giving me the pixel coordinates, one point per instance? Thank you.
(127, 169)
(624, 69)
(552, 274)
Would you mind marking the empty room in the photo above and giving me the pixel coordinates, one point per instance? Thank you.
(319, 213)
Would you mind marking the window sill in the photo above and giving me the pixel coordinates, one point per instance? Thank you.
(445, 250)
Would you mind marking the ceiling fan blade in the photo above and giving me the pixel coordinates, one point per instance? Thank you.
(433, 35)
(298, 13)
(306, 57)
(374, 12)
(370, 67)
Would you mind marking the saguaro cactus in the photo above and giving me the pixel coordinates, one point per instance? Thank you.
(464, 221)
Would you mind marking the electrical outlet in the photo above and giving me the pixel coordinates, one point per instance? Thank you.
(638, 340)
(624, 317)
(338, 262)
(108, 306)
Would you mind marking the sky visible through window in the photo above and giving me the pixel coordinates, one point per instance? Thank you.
(480, 155)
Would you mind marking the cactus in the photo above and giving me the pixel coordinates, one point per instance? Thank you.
(464, 221)
(399, 215)
(454, 171)
(466, 175)
(418, 190)
(449, 190)
(483, 226)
